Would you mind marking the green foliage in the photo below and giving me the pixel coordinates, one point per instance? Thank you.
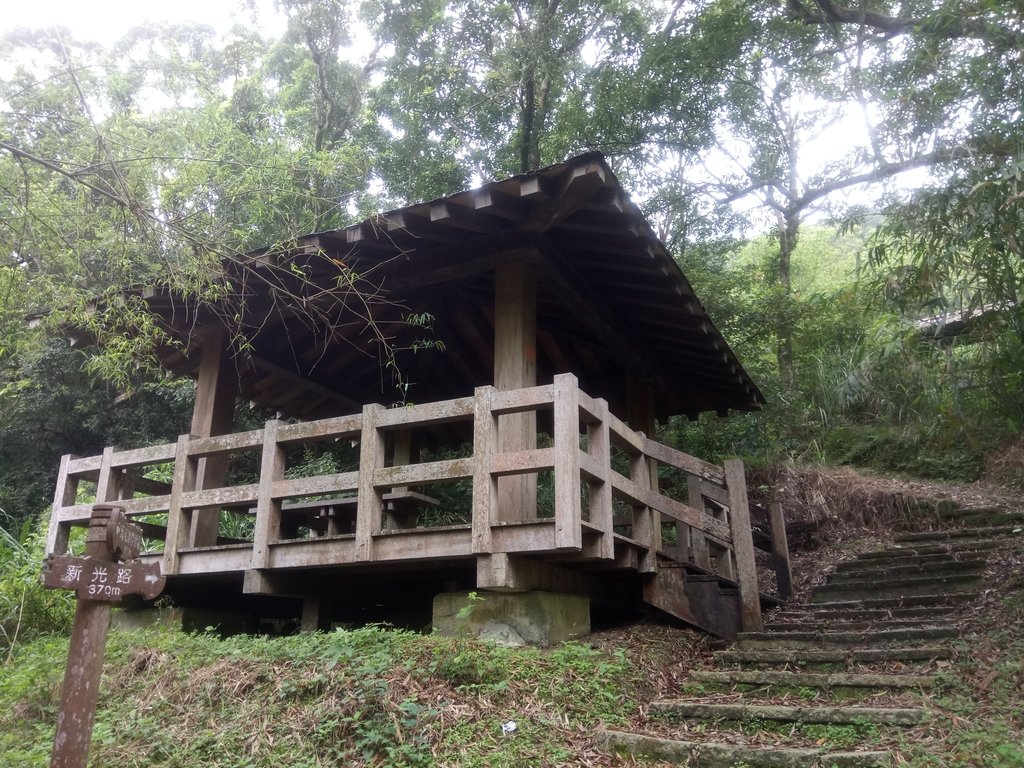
(49, 407)
(870, 389)
(900, 451)
(27, 610)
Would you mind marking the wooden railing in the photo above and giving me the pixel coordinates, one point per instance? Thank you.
(606, 502)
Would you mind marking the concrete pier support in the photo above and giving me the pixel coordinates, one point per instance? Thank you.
(513, 618)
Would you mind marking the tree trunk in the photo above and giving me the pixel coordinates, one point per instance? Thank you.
(789, 227)
(526, 118)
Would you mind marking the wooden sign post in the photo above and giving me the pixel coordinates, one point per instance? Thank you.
(105, 575)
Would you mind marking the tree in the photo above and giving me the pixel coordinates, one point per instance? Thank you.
(492, 89)
(153, 163)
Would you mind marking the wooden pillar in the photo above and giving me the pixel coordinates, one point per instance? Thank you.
(216, 389)
(515, 367)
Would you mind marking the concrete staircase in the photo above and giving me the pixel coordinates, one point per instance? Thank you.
(827, 683)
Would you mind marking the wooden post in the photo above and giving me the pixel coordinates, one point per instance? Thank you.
(568, 507)
(370, 506)
(780, 551)
(600, 448)
(485, 489)
(515, 367)
(184, 480)
(401, 455)
(311, 615)
(698, 543)
(64, 496)
(108, 484)
(646, 521)
(268, 509)
(743, 546)
(212, 415)
(80, 690)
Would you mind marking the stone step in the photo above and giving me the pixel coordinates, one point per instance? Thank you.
(867, 576)
(992, 532)
(896, 588)
(900, 558)
(721, 755)
(987, 515)
(950, 546)
(852, 615)
(847, 626)
(905, 716)
(908, 601)
(810, 679)
(783, 640)
(832, 655)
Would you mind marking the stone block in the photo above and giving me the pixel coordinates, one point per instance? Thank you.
(512, 618)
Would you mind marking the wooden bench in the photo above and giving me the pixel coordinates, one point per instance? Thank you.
(332, 517)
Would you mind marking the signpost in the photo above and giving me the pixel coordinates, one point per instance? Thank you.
(108, 572)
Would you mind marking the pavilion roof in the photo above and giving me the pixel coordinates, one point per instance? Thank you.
(327, 316)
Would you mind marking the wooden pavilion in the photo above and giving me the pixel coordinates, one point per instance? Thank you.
(515, 341)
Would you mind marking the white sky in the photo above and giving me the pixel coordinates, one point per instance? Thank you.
(105, 21)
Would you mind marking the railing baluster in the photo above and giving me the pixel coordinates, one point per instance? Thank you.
(601, 511)
(646, 530)
(698, 543)
(184, 480)
(485, 487)
(568, 509)
(743, 546)
(108, 484)
(268, 509)
(370, 505)
(780, 550)
(63, 496)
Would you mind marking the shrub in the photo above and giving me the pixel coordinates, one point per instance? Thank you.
(27, 609)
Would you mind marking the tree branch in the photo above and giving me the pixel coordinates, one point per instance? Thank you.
(942, 24)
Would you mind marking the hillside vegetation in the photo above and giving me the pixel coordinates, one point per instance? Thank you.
(380, 696)
(377, 696)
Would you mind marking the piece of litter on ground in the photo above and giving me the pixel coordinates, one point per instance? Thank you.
(508, 727)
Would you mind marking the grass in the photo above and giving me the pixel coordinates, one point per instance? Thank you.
(365, 697)
(980, 698)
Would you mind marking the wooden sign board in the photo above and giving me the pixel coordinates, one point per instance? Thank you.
(103, 580)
